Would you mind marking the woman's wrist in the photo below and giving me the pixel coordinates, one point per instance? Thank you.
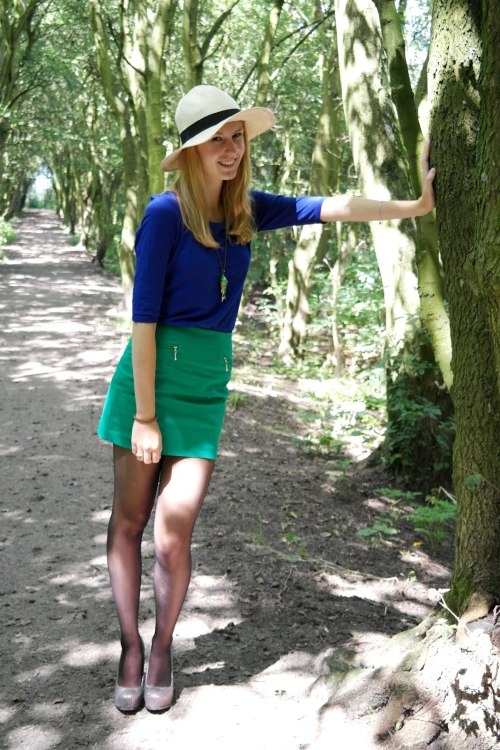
(144, 420)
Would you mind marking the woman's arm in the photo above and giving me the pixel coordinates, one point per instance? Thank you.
(146, 437)
(354, 208)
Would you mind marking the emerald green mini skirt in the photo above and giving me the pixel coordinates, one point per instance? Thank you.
(193, 369)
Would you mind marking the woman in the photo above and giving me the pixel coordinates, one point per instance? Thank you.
(165, 406)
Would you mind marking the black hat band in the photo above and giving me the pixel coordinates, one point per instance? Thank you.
(206, 122)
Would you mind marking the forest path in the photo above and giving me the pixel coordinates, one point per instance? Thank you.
(271, 588)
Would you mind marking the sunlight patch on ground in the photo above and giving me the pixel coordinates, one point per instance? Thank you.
(4, 451)
(266, 390)
(420, 559)
(348, 734)
(32, 735)
(269, 711)
(407, 597)
(88, 654)
(100, 516)
(211, 592)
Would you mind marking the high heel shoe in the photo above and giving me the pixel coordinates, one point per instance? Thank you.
(130, 698)
(159, 698)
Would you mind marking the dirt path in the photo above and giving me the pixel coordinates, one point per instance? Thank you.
(275, 548)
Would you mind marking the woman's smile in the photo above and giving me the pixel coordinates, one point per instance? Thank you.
(221, 156)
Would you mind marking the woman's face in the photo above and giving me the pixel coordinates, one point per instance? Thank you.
(221, 155)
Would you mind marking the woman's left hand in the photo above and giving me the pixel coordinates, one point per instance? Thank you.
(427, 201)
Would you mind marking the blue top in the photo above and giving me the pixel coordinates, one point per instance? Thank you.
(177, 279)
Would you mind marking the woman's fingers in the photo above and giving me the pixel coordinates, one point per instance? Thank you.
(146, 443)
(151, 457)
(426, 172)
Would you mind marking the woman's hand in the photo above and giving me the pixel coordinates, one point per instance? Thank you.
(146, 442)
(426, 202)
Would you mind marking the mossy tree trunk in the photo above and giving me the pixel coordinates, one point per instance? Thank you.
(464, 79)
(132, 87)
(18, 31)
(312, 242)
(418, 434)
(432, 305)
(195, 50)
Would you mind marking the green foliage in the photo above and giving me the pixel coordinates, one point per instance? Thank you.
(381, 527)
(430, 519)
(398, 495)
(234, 400)
(474, 481)
(421, 425)
(47, 200)
(7, 233)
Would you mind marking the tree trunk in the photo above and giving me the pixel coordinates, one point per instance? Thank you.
(128, 144)
(432, 307)
(346, 250)
(312, 243)
(465, 115)
(196, 52)
(264, 61)
(159, 31)
(16, 19)
(418, 436)
(380, 164)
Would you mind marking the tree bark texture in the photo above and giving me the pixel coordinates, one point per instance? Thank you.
(378, 156)
(464, 76)
(312, 243)
(133, 90)
(417, 436)
(432, 305)
(16, 36)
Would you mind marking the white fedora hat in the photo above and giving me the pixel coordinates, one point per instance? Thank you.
(203, 111)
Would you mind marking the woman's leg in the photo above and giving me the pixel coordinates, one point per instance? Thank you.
(135, 489)
(183, 486)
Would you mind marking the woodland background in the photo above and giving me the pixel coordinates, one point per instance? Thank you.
(400, 320)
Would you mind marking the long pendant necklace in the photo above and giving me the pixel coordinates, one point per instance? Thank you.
(223, 281)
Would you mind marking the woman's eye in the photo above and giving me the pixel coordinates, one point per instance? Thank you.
(237, 135)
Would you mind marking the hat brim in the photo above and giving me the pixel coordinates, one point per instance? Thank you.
(257, 120)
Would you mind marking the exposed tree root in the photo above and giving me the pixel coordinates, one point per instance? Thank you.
(422, 690)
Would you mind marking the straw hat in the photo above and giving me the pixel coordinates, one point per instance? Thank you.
(203, 111)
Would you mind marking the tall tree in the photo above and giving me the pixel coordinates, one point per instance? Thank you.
(197, 51)
(414, 434)
(432, 304)
(465, 94)
(19, 25)
(132, 84)
(324, 180)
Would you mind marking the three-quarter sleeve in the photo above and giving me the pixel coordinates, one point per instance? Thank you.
(278, 211)
(156, 237)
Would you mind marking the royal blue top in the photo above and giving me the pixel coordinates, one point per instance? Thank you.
(177, 280)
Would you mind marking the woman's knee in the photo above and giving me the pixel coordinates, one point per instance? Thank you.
(172, 549)
(131, 523)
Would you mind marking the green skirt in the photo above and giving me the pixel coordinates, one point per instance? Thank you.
(193, 369)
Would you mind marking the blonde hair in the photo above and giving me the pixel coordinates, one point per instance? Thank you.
(190, 188)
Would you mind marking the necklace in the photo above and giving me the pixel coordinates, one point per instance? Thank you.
(223, 281)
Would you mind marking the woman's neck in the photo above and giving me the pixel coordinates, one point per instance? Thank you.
(213, 202)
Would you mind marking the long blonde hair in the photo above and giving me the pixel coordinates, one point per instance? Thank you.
(190, 188)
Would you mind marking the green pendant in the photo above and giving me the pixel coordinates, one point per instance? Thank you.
(223, 288)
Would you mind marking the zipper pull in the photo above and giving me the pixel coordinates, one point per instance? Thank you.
(175, 353)
(226, 364)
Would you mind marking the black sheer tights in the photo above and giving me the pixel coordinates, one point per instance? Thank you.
(181, 485)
